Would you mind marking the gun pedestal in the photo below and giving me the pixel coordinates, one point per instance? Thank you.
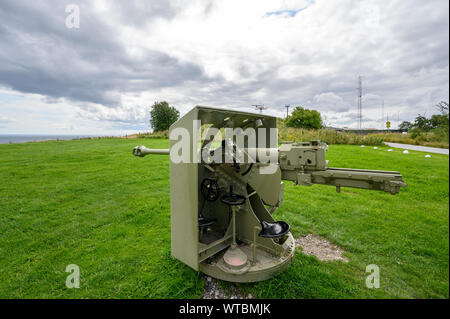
(234, 257)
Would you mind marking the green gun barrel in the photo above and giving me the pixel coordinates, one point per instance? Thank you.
(305, 164)
(142, 151)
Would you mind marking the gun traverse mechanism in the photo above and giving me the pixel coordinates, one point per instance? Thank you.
(221, 212)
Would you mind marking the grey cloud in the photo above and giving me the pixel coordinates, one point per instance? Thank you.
(38, 54)
(139, 13)
(408, 68)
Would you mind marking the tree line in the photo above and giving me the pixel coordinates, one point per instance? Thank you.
(437, 123)
(162, 116)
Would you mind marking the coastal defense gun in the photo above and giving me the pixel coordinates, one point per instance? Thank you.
(224, 193)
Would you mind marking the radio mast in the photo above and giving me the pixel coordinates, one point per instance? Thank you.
(359, 102)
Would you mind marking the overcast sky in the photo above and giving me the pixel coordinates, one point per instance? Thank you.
(102, 77)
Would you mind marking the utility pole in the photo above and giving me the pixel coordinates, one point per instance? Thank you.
(287, 106)
(359, 102)
(382, 115)
(259, 107)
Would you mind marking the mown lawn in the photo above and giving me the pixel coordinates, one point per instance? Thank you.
(91, 203)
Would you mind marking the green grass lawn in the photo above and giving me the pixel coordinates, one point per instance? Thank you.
(91, 203)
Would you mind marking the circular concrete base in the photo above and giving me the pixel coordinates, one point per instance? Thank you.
(265, 268)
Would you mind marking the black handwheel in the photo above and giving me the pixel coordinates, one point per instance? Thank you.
(210, 189)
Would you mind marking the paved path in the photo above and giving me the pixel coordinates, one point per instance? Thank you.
(419, 148)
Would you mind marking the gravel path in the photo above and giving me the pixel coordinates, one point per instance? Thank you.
(213, 291)
(320, 247)
(419, 148)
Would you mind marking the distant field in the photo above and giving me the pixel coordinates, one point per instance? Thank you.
(334, 137)
(91, 203)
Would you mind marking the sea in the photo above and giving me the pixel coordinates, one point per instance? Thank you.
(23, 138)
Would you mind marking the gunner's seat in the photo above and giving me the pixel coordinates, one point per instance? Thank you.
(274, 230)
(205, 222)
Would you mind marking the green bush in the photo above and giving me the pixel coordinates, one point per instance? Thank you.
(415, 132)
(435, 138)
(158, 134)
(304, 118)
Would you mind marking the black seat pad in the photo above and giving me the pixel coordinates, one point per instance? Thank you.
(205, 222)
(277, 229)
(232, 199)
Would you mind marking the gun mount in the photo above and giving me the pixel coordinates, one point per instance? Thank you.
(221, 211)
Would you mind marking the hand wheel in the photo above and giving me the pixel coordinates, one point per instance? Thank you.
(210, 189)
